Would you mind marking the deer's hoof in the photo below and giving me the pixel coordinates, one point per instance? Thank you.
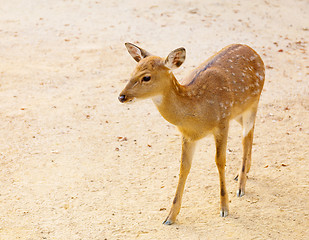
(168, 221)
(224, 213)
(240, 192)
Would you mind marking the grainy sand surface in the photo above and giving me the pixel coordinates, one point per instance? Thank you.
(77, 164)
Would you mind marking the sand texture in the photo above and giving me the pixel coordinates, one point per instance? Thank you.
(77, 164)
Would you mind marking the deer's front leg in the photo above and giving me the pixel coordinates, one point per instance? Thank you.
(186, 160)
(221, 142)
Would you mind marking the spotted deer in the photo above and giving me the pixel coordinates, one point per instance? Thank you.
(227, 86)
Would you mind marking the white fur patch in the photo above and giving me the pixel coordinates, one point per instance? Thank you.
(157, 100)
(248, 122)
(246, 131)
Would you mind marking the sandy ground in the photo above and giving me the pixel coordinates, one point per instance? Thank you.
(76, 164)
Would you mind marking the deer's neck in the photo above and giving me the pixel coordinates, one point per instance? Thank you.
(171, 103)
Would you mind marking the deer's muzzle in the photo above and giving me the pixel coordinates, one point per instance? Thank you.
(122, 98)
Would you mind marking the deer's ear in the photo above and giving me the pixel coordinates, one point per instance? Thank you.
(175, 58)
(136, 52)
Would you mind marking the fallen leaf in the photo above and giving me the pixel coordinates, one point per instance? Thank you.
(193, 11)
(269, 67)
(122, 139)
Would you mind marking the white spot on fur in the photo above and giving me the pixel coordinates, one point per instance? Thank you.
(256, 92)
(259, 76)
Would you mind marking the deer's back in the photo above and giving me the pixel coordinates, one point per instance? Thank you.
(230, 81)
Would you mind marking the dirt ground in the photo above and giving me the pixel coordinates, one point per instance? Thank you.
(77, 164)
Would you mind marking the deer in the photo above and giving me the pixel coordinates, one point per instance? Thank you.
(226, 86)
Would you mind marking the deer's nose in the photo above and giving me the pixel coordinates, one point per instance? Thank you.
(122, 98)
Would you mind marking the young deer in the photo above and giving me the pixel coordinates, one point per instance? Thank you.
(227, 86)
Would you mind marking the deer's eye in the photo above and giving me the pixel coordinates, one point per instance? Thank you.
(146, 78)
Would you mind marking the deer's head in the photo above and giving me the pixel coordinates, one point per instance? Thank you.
(151, 75)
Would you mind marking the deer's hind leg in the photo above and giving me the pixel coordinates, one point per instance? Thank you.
(247, 121)
(221, 135)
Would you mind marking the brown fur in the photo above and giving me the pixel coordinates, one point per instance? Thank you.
(227, 86)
